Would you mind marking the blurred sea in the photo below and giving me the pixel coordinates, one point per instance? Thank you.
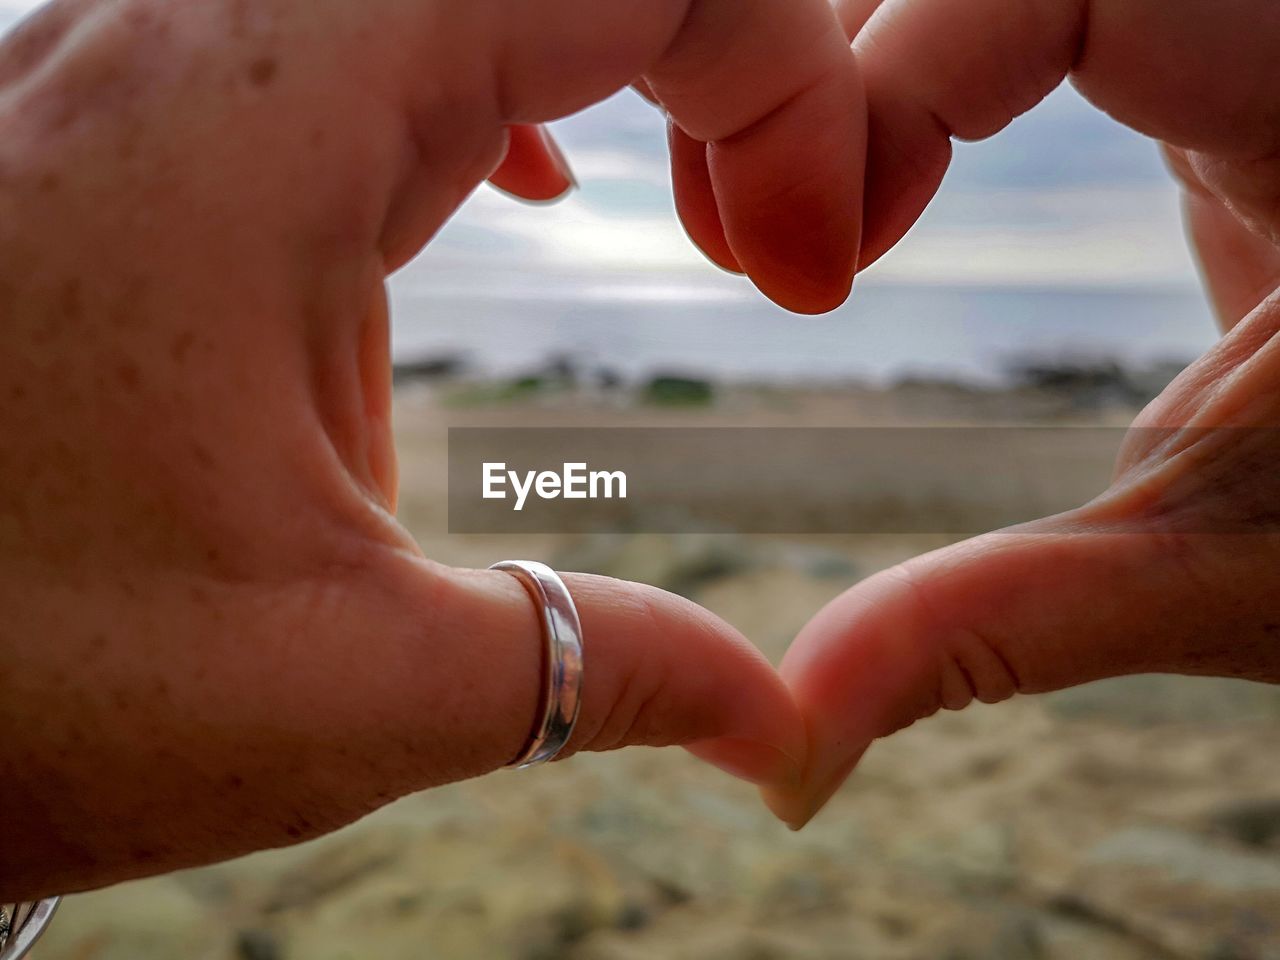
(1058, 241)
(887, 332)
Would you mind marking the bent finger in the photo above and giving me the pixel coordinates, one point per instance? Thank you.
(779, 112)
(696, 199)
(309, 705)
(468, 649)
(1167, 571)
(770, 88)
(1066, 602)
(1240, 267)
(936, 70)
(534, 168)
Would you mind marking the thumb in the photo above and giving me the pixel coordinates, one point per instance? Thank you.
(294, 708)
(1170, 571)
(1051, 605)
(449, 664)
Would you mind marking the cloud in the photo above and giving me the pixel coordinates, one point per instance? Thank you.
(1065, 198)
(1123, 236)
(11, 11)
(1104, 237)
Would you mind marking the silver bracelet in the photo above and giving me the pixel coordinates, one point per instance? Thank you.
(21, 925)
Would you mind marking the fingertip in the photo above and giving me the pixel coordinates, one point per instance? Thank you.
(762, 764)
(801, 249)
(535, 169)
(469, 656)
(790, 193)
(541, 198)
(855, 670)
(661, 670)
(798, 804)
(787, 803)
(806, 295)
(720, 255)
(696, 201)
(1049, 606)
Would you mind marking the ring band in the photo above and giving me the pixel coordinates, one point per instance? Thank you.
(24, 925)
(562, 634)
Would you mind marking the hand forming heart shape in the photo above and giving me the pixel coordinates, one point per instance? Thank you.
(200, 206)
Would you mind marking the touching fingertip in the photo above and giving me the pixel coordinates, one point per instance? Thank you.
(788, 805)
(758, 763)
(725, 260)
(797, 805)
(808, 297)
(558, 160)
(540, 196)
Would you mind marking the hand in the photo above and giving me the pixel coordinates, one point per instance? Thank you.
(215, 637)
(1175, 568)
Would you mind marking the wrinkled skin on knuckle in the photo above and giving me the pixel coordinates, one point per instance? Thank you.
(638, 692)
(616, 708)
(627, 719)
(970, 664)
(1249, 187)
(1223, 484)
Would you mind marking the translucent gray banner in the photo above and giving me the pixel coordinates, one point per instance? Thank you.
(953, 480)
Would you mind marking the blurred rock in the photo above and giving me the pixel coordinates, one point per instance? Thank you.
(156, 920)
(820, 563)
(1091, 383)
(980, 857)
(1066, 938)
(1017, 931)
(331, 868)
(1003, 933)
(429, 368)
(1157, 698)
(678, 391)
(1255, 822)
(696, 941)
(800, 889)
(1182, 894)
(257, 945)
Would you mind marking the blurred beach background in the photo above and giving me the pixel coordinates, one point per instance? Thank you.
(1049, 284)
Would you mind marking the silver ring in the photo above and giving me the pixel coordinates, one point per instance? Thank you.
(23, 924)
(562, 634)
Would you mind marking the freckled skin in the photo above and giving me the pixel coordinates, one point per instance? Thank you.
(204, 554)
(216, 637)
(262, 72)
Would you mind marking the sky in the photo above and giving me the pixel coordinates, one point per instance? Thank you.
(1063, 200)
(1063, 197)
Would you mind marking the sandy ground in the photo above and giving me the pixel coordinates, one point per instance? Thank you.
(1137, 818)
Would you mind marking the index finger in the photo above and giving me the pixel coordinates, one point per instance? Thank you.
(770, 89)
(1198, 76)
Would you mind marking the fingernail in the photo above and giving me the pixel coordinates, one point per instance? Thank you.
(757, 763)
(558, 158)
